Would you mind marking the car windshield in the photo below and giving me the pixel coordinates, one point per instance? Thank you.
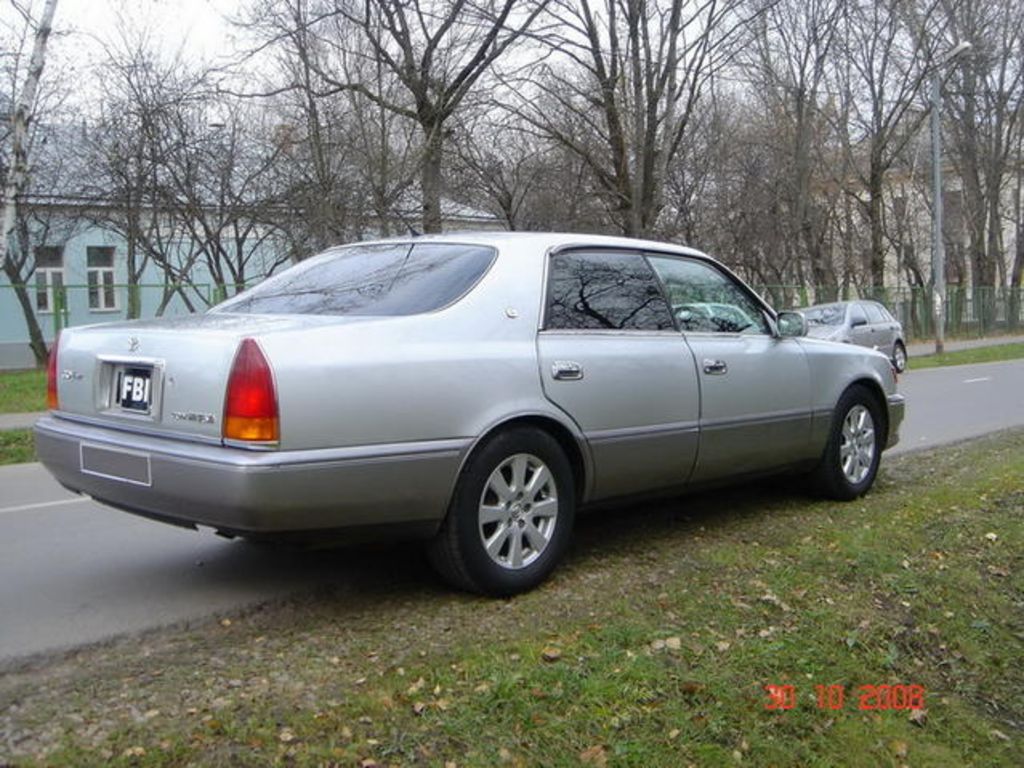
(827, 314)
(376, 280)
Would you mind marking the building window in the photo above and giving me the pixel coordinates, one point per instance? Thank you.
(49, 276)
(100, 262)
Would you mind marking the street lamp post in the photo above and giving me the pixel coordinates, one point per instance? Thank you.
(938, 246)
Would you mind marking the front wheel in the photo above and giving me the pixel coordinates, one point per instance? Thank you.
(511, 516)
(849, 463)
(899, 357)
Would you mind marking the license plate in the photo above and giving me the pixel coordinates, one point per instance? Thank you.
(134, 389)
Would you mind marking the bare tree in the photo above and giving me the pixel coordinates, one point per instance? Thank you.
(985, 95)
(16, 170)
(793, 47)
(621, 87)
(435, 51)
(886, 50)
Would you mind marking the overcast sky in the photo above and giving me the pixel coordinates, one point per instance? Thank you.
(198, 26)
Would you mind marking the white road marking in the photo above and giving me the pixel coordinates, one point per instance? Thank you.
(975, 381)
(44, 504)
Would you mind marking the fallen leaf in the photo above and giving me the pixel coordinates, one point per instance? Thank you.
(504, 755)
(286, 736)
(595, 755)
(674, 733)
(134, 752)
(673, 643)
(691, 688)
(418, 707)
(918, 717)
(995, 571)
(417, 686)
(551, 654)
(722, 646)
(225, 622)
(899, 748)
(991, 536)
(997, 734)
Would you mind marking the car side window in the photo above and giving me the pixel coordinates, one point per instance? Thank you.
(857, 315)
(601, 290)
(875, 314)
(705, 300)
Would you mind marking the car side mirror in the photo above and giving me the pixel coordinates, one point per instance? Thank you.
(857, 322)
(791, 325)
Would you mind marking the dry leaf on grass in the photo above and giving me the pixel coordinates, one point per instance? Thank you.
(595, 755)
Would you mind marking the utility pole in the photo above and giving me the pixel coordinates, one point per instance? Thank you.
(938, 246)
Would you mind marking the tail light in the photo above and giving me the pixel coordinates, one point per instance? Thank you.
(51, 377)
(250, 408)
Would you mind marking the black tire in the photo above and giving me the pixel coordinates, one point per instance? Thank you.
(836, 477)
(899, 357)
(458, 551)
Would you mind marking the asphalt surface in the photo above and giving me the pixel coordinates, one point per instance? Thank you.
(74, 572)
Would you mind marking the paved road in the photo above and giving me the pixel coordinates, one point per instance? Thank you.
(961, 401)
(73, 572)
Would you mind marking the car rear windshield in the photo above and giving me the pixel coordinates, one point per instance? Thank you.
(381, 280)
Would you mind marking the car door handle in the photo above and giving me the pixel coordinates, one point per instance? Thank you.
(715, 367)
(566, 370)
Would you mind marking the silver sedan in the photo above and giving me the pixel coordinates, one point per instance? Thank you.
(474, 390)
(866, 323)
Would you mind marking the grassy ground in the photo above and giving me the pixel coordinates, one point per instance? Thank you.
(16, 446)
(968, 356)
(22, 391)
(652, 646)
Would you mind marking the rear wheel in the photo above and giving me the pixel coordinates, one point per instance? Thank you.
(849, 463)
(899, 357)
(511, 516)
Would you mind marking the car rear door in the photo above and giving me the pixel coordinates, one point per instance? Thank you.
(755, 387)
(611, 358)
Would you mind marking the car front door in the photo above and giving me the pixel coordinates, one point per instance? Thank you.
(883, 331)
(611, 358)
(860, 328)
(755, 410)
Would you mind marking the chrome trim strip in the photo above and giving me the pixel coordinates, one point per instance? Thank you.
(764, 418)
(628, 433)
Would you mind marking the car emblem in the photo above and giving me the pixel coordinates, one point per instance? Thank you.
(133, 343)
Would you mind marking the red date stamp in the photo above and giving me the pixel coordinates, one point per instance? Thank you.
(833, 697)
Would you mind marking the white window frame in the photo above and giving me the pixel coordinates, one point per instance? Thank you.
(104, 277)
(48, 274)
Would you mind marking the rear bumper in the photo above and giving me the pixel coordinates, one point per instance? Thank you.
(897, 408)
(240, 491)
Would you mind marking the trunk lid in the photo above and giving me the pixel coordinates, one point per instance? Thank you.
(159, 376)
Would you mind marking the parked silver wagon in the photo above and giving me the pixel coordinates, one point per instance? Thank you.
(470, 389)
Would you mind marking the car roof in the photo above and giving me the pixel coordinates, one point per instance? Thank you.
(547, 240)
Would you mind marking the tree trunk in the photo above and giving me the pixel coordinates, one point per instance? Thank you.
(431, 177)
(877, 258)
(35, 332)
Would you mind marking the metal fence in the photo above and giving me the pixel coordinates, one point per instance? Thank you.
(61, 306)
(971, 312)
